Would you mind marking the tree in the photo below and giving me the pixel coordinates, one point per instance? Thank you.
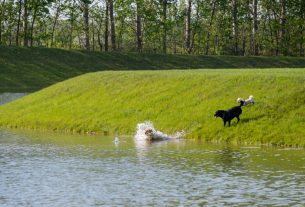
(139, 25)
(106, 34)
(235, 26)
(223, 27)
(283, 27)
(25, 19)
(255, 27)
(164, 25)
(112, 24)
(85, 9)
(57, 8)
(18, 22)
(302, 28)
(71, 12)
(37, 9)
(207, 47)
(188, 26)
(2, 9)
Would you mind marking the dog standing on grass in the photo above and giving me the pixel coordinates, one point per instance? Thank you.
(246, 102)
(228, 115)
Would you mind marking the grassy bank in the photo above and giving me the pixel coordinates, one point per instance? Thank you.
(30, 69)
(114, 102)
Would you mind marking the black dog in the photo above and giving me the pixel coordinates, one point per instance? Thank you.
(228, 115)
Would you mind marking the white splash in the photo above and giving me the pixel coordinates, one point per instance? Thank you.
(146, 131)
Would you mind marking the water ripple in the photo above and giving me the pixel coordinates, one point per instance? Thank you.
(49, 173)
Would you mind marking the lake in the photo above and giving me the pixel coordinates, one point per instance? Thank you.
(53, 169)
(8, 97)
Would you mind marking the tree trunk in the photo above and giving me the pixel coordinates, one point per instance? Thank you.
(71, 26)
(120, 36)
(207, 47)
(255, 28)
(188, 26)
(283, 28)
(54, 24)
(139, 28)
(33, 23)
(11, 37)
(174, 41)
(86, 28)
(79, 39)
(244, 41)
(18, 22)
(199, 43)
(99, 39)
(235, 27)
(216, 45)
(107, 26)
(25, 29)
(1, 16)
(194, 30)
(276, 33)
(46, 32)
(164, 20)
(93, 35)
(71, 34)
(302, 42)
(302, 35)
(112, 29)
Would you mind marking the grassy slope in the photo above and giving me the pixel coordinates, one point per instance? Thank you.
(29, 69)
(114, 102)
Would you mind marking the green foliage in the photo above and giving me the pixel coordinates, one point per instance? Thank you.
(280, 25)
(114, 102)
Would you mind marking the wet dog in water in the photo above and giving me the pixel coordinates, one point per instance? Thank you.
(147, 132)
(228, 115)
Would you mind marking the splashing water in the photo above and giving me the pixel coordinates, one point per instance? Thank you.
(146, 131)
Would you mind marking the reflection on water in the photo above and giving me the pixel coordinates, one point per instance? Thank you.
(73, 170)
(8, 97)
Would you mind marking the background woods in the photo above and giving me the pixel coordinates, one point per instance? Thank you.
(210, 27)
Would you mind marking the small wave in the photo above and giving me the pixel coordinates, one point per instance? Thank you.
(147, 131)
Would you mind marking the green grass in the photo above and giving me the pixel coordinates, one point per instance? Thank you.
(30, 69)
(115, 101)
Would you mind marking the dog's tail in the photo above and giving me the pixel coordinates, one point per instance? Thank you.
(252, 99)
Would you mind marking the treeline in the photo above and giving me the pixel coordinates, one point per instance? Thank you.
(209, 27)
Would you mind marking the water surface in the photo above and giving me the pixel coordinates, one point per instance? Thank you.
(39, 169)
(8, 97)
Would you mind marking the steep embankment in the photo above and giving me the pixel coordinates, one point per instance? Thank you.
(30, 69)
(114, 102)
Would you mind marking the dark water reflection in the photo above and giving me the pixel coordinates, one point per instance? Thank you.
(72, 170)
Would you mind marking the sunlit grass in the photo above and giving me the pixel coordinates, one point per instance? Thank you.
(114, 102)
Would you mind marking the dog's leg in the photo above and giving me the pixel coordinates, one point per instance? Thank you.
(229, 123)
(238, 119)
(224, 123)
